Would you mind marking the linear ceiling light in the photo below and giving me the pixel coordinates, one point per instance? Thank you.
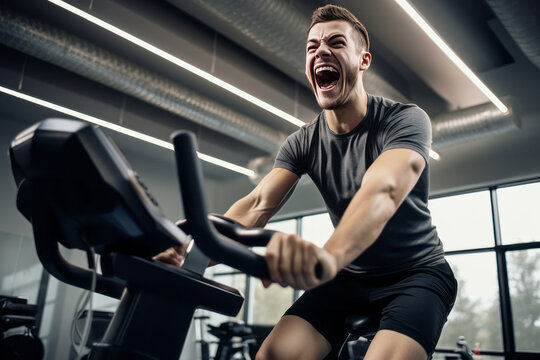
(451, 54)
(181, 63)
(123, 130)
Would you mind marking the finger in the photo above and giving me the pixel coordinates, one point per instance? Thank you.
(181, 249)
(266, 283)
(169, 257)
(286, 258)
(312, 258)
(328, 264)
(272, 257)
(298, 267)
(172, 256)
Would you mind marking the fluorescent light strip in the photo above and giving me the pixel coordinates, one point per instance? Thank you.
(434, 155)
(193, 69)
(123, 130)
(451, 54)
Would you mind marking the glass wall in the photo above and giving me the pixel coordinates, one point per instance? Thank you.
(317, 228)
(20, 269)
(267, 305)
(524, 281)
(476, 312)
(519, 210)
(519, 207)
(463, 221)
(492, 241)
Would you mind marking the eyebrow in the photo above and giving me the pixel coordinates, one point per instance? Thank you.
(333, 37)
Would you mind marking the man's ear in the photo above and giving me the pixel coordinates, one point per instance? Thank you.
(365, 61)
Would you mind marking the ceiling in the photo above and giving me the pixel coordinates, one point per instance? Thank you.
(402, 55)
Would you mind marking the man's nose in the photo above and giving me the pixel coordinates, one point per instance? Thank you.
(323, 50)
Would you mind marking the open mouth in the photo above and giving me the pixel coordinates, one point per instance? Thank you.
(326, 77)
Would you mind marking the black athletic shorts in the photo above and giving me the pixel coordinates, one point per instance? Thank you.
(415, 303)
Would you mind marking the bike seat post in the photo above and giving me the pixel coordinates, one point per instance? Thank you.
(364, 327)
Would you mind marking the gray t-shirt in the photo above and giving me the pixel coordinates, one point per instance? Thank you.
(337, 163)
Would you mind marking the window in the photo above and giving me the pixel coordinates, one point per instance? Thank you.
(317, 228)
(463, 221)
(20, 269)
(269, 304)
(524, 281)
(286, 226)
(476, 312)
(518, 212)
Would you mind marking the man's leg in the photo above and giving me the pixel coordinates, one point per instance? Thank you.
(293, 338)
(411, 324)
(402, 347)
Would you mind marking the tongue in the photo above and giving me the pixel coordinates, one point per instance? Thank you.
(328, 85)
(327, 79)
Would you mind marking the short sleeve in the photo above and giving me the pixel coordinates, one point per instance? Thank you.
(290, 154)
(409, 128)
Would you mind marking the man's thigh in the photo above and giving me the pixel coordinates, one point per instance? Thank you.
(417, 313)
(293, 338)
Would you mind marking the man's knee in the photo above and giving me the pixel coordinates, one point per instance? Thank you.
(293, 338)
(268, 354)
(272, 350)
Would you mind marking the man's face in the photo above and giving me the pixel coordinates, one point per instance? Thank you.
(333, 62)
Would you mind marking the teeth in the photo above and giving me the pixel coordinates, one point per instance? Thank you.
(323, 68)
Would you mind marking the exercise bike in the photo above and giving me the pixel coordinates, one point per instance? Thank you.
(76, 189)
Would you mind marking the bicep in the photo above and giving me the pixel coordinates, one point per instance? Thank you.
(394, 172)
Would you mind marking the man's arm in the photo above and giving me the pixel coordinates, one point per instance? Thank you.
(252, 210)
(265, 200)
(385, 185)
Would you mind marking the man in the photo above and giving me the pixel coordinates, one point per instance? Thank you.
(369, 158)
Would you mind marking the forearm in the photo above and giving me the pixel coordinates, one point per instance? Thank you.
(255, 209)
(248, 213)
(361, 224)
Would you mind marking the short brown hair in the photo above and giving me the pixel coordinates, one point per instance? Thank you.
(333, 12)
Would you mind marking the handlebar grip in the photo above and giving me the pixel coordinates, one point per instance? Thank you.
(244, 235)
(238, 232)
(319, 271)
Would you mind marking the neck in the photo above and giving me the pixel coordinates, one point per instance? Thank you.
(345, 118)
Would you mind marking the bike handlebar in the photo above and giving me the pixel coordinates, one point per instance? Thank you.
(203, 227)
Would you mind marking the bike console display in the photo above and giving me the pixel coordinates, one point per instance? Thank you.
(74, 172)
